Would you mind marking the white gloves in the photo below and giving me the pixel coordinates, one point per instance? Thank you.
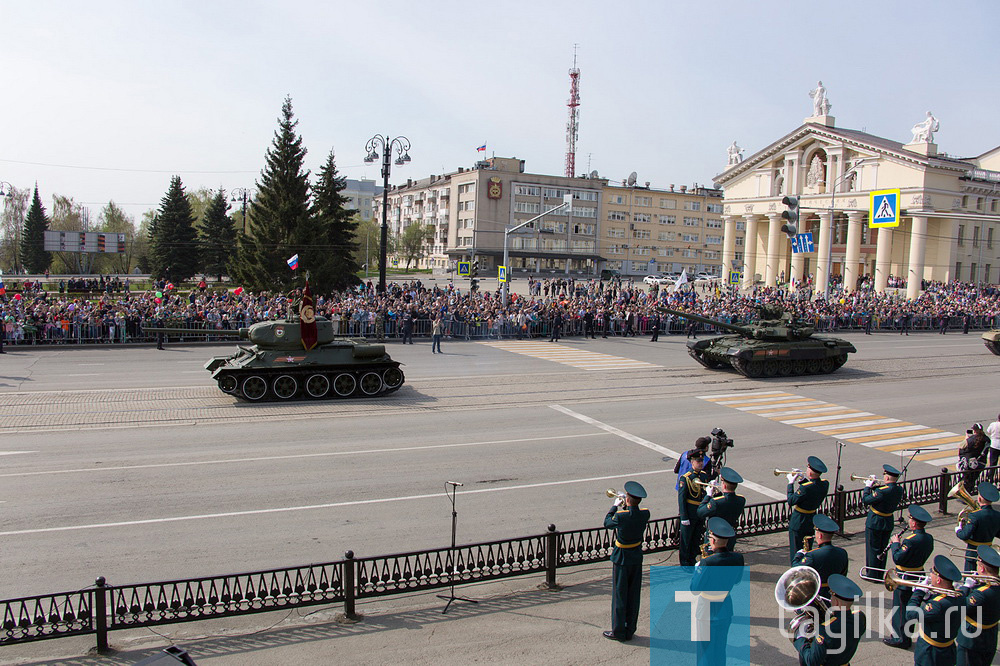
(957, 530)
(791, 479)
(970, 582)
(926, 580)
(804, 630)
(869, 483)
(686, 523)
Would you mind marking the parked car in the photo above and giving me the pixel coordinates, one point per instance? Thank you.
(707, 276)
(657, 279)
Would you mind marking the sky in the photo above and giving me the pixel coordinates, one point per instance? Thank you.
(106, 100)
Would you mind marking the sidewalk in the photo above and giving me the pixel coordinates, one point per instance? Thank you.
(513, 622)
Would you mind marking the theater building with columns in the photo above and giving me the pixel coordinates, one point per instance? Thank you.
(947, 219)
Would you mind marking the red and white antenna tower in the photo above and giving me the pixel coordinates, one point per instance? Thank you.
(573, 125)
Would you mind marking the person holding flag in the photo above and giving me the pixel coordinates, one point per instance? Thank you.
(307, 319)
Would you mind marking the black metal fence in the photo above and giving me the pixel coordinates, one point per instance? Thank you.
(103, 608)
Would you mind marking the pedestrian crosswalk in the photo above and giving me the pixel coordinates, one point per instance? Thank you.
(847, 424)
(577, 358)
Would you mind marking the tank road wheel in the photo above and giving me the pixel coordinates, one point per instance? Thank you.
(254, 387)
(770, 368)
(344, 384)
(992, 346)
(798, 367)
(285, 386)
(317, 386)
(371, 383)
(785, 368)
(828, 365)
(228, 384)
(392, 378)
(813, 366)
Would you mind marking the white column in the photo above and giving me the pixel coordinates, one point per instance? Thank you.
(728, 246)
(774, 241)
(883, 252)
(749, 251)
(853, 255)
(918, 248)
(823, 252)
(798, 263)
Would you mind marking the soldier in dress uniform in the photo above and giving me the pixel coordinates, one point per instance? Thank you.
(804, 502)
(881, 500)
(938, 628)
(836, 639)
(977, 645)
(982, 525)
(909, 554)
(689, 496)
(727, 505)
(629, 523)
(709, 576)
(825, 558)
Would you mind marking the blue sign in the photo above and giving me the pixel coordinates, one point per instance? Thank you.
(803, 243)
(463, 268)
(501, 273)
(883, 209)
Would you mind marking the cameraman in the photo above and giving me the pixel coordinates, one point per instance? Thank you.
(683, 464)
(720, 443)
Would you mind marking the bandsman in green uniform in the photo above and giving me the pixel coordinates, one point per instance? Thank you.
(825, 558)
(977, 645)
(937, 625)
(726, 505)
(836, 639)
(629, 523)
(882, 499)
(709, 576)
(982, 525)
(689, 497)
(909, 555)
(804, 502)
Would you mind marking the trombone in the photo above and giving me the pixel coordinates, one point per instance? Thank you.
(983, 578)
(878, 575)
(892, 581)
(964, 551)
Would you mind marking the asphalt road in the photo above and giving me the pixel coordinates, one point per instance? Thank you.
(129, 463)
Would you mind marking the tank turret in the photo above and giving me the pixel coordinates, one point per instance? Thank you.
(776, 344)
(278, 367)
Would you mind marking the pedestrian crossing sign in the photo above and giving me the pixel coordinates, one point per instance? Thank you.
(463, 268)
(883, 208)
(734, 277)
(501, 273)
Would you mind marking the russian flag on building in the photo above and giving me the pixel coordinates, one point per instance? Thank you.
(293, 263)
(481, 149)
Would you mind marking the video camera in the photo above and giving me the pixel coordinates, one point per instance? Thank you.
(720, 443)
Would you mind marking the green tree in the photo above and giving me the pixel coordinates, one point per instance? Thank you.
(200, 200)
(67, 215)
(279, 215)
(218, 236)
(413, 241)
(15, 208)
(367, 238)
(330, 256)
(173, 241)
(116, 221)
(34, 258)
(140, 247)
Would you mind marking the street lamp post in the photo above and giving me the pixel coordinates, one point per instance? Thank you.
(242, 194)
(567, 201)
(402, 147)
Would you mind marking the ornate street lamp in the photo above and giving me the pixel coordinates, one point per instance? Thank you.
(242, 194)
(402, 147)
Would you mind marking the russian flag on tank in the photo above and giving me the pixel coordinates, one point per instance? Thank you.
(293, 262)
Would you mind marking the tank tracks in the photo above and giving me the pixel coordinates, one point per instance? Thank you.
(288, 384)
(993, 346)
(774, 367)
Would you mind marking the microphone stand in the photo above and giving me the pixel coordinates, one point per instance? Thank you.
(838, 491)
(913, 454)
(451, 553)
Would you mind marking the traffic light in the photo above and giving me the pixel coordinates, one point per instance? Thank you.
(790, 216)
(474, 269)
(474, 284)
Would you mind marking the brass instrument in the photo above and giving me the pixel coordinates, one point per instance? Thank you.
(711, 487)
(958, 491)
(984, 578)
(807, 542)
(964, 550)
(892, 581)
(877, 575)
(858, 477)
(798, 591)
(783, 472)
(618, 497)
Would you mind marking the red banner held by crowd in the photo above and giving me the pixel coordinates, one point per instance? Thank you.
(307, 319)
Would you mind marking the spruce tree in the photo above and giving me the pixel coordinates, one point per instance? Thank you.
(279, 215)
(34, 258)
(172, 237)
(218, 236)
(331, 257)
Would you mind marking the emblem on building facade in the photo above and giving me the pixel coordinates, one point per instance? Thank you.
(494, 188)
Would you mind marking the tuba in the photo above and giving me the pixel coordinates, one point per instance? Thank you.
(798, 591)
(958, 491)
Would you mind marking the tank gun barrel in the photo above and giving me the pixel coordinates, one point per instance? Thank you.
(705, 320)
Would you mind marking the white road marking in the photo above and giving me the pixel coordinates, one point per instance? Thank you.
(854, 424)
(832, 417)
(883, 431)
(802, 403)
(763, 490)
(715, 396)
(14, 453)
(83, 364)
(84, 374)
(325, 454)
(330, 505)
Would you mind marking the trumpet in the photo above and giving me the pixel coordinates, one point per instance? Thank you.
(983, 578)
(784, 472)
(858, 477)
(711, 487)
(892, 581)
(618, 497)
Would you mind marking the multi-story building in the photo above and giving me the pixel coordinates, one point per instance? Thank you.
(361, 195)
(646, 230)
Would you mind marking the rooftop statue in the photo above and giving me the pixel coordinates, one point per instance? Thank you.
(923, 132)
(821, 105)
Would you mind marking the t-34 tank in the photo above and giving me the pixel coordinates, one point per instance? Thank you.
(777, 345)
(277, 366)
(991, 339)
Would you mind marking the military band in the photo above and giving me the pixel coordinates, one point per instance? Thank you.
(689, 496)
(708, 576)
(726, 504)
(930, 608)
(837, 637)
(981, 526)
(909, 556)
(629, 523)
(804, 501)
(977, 645)
(882, 499)
(825, 558)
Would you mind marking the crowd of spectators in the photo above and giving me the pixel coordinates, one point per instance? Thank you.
(114, 313)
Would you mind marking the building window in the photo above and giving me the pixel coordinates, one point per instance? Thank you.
(468, 188)
(667, 219)
(739, 241)
(690, 254)
(689, 238)
(711, 254)
(668, 203)
(616, 249)
(738, 256)
(713, 224)
(972, 273)
(692, 221)
(975, 236)
(692, 205)
(584, 212)
(616, 232)
(986, 274)
(525, 190)
(989, 238)
(552, 193)
(642, 201)
(585, 195)
(641, 234)
(958, 270)
(641, 217)
(961, 234)
(665, 251)
(665, 236)
(617, 215)
(713, 240)
(713, 207)
(523, 207)
(616, 199)
(741, 225)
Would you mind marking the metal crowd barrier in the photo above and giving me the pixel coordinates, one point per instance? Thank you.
(104, 607)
